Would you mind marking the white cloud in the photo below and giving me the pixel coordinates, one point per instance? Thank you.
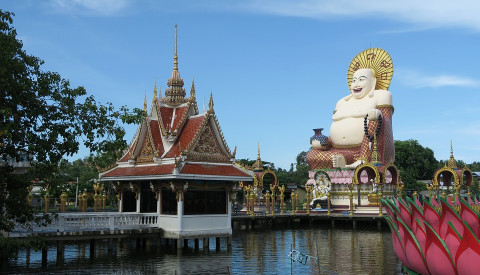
(416, 79)
(426, 14)
(90, 7)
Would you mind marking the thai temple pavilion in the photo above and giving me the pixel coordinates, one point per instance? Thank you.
(179, 166)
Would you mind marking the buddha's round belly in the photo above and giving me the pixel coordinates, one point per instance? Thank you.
(348, 131)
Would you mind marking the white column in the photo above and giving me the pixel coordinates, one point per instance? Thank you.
(138, 201)
(159, 198)
(180, 212)
(229, 211)
(120, 203)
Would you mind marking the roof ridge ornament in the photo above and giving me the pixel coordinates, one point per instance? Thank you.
(175, 94)
(452, 163)
(210, 103)
(155, 90)
(145, 102)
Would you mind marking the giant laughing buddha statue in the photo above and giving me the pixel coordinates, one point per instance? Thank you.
(361, 129)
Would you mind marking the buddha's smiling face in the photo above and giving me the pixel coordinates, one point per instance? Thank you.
(363, 82)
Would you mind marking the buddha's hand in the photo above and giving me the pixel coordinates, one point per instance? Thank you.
(374, 114)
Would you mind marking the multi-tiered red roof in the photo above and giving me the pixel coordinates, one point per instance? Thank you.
(176, 141)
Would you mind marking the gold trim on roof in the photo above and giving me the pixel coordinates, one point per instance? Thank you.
(378, 60)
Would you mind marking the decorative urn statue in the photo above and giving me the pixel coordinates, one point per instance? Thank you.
(318, 140)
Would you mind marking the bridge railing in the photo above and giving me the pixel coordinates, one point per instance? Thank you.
(70, 222)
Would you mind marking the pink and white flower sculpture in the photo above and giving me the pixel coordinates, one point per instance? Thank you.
(436, 236)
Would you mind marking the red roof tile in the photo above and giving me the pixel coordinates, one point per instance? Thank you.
(215, 170)
(178, 116)
(186, 135)
(157, 137)
(166, 114)
(140, 171)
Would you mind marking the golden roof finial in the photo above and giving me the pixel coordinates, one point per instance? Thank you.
(452, 163)
(258, 154)
(175, 94)
(258, 165)
(175, 57)
(192, 90)
(210, 103)
(145, 102)
(155, 90)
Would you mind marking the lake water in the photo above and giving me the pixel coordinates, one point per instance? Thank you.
(341, 250)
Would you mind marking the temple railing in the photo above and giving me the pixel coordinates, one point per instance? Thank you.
(77, 222)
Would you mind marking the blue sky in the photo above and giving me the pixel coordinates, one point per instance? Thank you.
(276, 68)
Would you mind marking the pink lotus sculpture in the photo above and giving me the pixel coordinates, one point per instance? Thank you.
(436, 237)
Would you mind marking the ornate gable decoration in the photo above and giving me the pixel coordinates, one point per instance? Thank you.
(207, 147)
(148, 152)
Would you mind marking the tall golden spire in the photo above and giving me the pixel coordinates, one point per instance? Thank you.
(258, 165)
(452, 163)
(192, 90)
(210, 102)
(145, 102)
(155, 90)
(175, 94)
(175, 57)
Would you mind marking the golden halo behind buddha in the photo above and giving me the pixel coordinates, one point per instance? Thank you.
(378, 60)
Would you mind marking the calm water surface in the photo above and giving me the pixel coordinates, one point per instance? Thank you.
(261, 251)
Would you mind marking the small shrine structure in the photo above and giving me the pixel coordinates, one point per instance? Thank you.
(450, 176)
(264, 192)
(179, 166)
(354, 166)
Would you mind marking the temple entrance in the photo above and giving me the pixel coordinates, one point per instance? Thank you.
(129, 201)
(148, 203)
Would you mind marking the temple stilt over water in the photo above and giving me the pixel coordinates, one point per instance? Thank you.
(179, 166)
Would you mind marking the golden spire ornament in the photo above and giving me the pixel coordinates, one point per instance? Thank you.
(155, 90)
(145, 102)
(175, 94)
(210, 103)
(452, 163)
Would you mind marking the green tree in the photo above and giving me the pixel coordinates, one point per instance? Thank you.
(414, 161)
(43, 119)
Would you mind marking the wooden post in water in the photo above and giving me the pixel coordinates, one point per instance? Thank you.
(206, 244)
(196, 244)
(44, 258)
(92, 249)
(217, 243)
(60, 252)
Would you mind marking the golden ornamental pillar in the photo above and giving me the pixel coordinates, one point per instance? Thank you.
(380, 204)
(328, 204)
(350, 196)
(252, 203)
(104, 201)
(296, 201)
(63, 202)
(282, 196)
(292, 199)
(309, 192)
(272, 188)
(47, 198)
(267, 202)
(30, 194)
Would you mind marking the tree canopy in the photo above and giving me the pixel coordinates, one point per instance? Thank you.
(414, 161)
(43, 119)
